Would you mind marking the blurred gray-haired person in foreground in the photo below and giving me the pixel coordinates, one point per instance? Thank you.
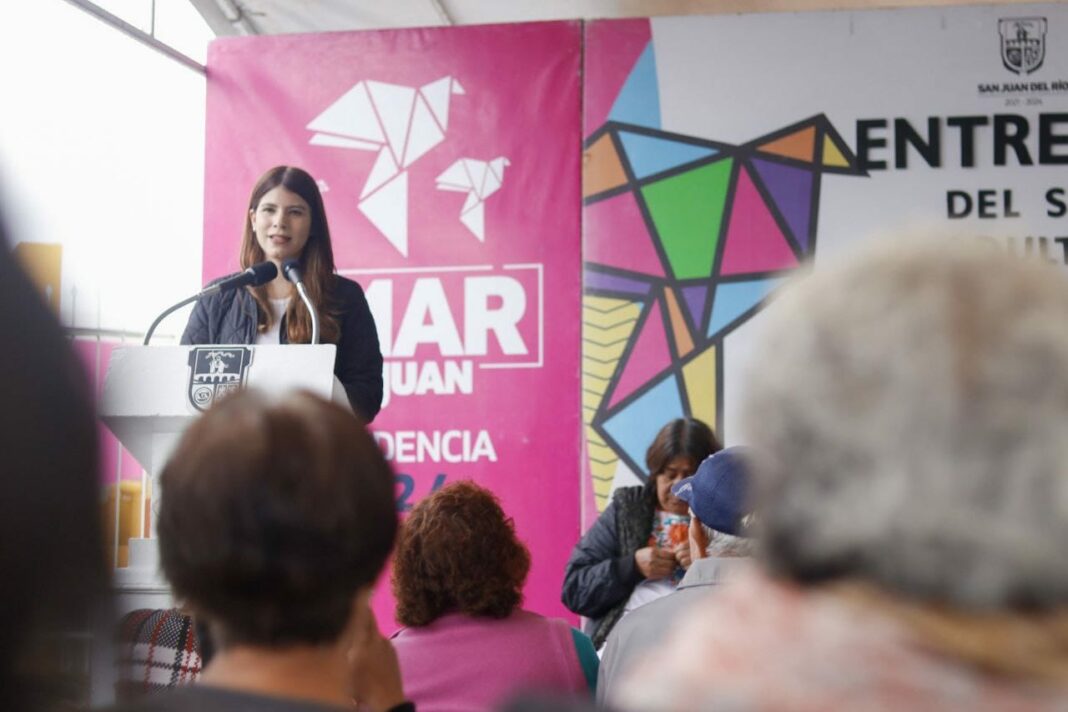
(908, 410)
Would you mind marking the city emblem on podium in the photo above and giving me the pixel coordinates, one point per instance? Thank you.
(215, 371)
(1023, 43)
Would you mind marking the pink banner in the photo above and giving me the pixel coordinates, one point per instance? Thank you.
(449, 161)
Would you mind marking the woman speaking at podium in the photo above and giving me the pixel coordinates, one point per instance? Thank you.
(286, 220)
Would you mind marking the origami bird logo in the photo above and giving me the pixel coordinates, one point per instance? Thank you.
(479, 179)
(402, 124)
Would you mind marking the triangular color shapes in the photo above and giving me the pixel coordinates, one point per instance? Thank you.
(601, 167)
(618, 237)
(633, 429)
(595, 280)
(611, 49)
(394, 106)
(681, 332)
(607, 325)
(351, 115)
(423, 135)
(649, 356)
(639, 99)
(800, 145)
(791, 189)
(699, 377)
(832, 156)
(754, 241)
(736, 298)
(649, 154)
(835, 153)
(387, 209)
(383, 169)
(694, 299)
(437, 96)
(687, 210)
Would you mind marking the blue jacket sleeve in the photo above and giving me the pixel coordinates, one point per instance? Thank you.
(598, 575)
(196, 329)
(359, 358)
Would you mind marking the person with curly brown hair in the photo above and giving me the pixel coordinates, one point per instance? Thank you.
(458, 574)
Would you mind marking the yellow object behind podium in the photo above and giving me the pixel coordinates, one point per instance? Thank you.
(134, 519)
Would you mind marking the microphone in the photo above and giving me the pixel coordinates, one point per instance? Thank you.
(254, 276)
(291, 270)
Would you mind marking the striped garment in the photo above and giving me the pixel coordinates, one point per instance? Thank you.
(156, 649)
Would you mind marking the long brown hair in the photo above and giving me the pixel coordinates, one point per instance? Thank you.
(316, 260)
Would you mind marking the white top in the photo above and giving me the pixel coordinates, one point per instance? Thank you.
(274, 334)
(647, 592)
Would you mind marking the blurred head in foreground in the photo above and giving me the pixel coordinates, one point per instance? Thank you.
(912, 408)
(908, 412)
(276, 516)
(50, 535)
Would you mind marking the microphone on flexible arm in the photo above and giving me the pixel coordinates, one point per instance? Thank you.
(291, 270)
(254, 276)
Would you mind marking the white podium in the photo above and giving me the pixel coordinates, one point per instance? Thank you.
(152, 393)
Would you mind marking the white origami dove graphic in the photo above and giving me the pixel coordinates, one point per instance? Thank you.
(480, 180)
(402, 124)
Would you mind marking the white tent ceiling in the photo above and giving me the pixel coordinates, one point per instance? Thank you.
(268, 17)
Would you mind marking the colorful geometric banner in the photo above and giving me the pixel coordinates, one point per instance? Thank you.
(723, 151)
(685, 239)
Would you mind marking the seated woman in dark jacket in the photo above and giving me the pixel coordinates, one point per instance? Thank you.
(631, 545)
(286, 220)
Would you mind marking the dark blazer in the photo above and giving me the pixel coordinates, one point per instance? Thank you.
(601, 572)
(230, 318)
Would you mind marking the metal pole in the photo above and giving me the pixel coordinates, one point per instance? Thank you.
(140, 35)
(439, 8)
